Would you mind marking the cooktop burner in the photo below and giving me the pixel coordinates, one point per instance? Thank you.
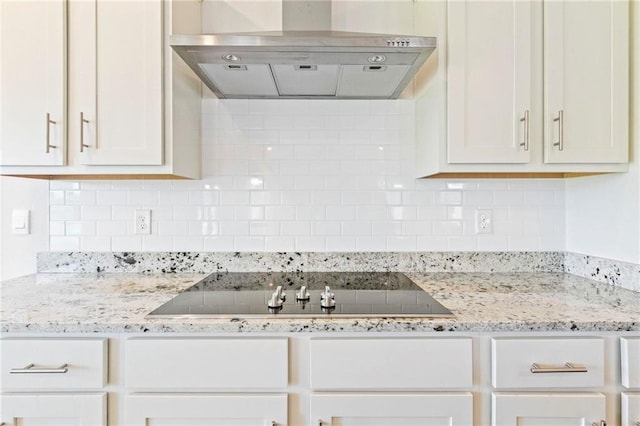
(302, 295)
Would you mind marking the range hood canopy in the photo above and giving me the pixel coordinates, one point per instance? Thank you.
(304, 64)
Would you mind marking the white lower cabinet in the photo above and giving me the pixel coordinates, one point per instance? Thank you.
(206, 409)
(386, 409)
(53, 409)
(547, 409)
(630, 409)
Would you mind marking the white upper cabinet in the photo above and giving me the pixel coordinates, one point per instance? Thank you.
(586, 72)
(32, 82)
(115, 70)
(133, 106)
(523, 87)
(489, 82)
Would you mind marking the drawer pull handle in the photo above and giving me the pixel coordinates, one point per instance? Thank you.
(602, 423)
(567, 368)
(32, 369)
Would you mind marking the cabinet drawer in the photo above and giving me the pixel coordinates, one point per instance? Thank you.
(199, 363)
(630, 354)
(85, 360)
(388, 364)
(512, 363)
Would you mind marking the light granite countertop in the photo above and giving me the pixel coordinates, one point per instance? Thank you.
(481, 302)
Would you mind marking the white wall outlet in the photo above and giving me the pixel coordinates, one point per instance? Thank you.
(143, 221)
(484, 221)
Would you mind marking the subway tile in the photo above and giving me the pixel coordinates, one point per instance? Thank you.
(447, 228)
(341, 213)
(386, 228)
(371, 243)
(173, 198)
(142, 198)
(493, 243)
(204, 228)
(56, 198)
(57, 228)
(249, 213)
(249, 244)
(416, 228)
(449, 198)
(402, 212)
(171, 227)
(187, 213)
(234, 228)
(235, 198)
(157, 243)
(404, 243)
(64, 243)
(359, 228)
(340, 244)
(337, 182)
(218, 243)
(124, 213)
(371, 213)
(278, 213)
(462, 243)
(110, 198)
(188, 243)
(431, 243)
(111, 228)
(62, 185)
(296, 198)
(357, 198)
(309, 182)
(203, 198)
(307, 244)
(95, 213)
(296, 228)
(264, 228)
(218, 213)
(64, 213)
(79, 198)
(80, 228)
(325, 228)
(132, 243)
(248, 182)
(93, 243)
(281, 244)
(387, 198)
(264, 198)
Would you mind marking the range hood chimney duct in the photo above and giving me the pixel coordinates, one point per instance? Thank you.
(306, 15)
(306, 60)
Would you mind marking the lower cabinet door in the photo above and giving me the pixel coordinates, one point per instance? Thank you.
(53, 409)
(547, 409)
(206, 409)
(631, 409)
(432, 409)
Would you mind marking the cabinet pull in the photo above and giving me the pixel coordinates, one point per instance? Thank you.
(32, 369)
(602, 423)
(560, 120)
(49, 123)
(525, 119)
(567, 368)
(82, 123)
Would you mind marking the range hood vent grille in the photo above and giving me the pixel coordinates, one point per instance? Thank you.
(304, 64)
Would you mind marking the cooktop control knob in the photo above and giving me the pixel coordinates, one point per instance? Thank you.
(327, 300)
(277, 298)
(303, 294)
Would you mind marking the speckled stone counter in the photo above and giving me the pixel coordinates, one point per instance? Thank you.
(481, 302)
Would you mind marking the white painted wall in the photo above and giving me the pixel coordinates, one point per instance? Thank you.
(18, 252)
(603, 212)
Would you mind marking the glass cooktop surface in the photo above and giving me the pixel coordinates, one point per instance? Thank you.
(281, 295)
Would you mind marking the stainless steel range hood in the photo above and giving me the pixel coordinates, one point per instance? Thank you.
(317, 64)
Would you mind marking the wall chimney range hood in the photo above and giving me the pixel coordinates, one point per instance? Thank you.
(293, 64)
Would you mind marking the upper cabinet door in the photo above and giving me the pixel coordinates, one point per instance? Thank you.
(120, 82)
(32, 82)
(489, 81)
(586, 62)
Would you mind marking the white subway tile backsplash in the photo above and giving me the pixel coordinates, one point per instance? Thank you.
(308, 175)
(110, 198)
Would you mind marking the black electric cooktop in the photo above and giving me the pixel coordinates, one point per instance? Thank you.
(281, 295)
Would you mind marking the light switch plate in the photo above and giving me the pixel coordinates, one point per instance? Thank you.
(20, 222)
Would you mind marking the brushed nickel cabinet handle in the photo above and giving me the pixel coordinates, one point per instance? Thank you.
(560, 120)
(525, 119)
(82, 123)
(602, 423)
(32, 369)
(566, 368)
(49, 123)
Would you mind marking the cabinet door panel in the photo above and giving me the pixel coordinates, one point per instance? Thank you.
(52, 409)
(523, 409)
(630, 409)
(392, 409)
(205, 409)
(32, 82)
(586, 77)
(128, 64)
(489, 81)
